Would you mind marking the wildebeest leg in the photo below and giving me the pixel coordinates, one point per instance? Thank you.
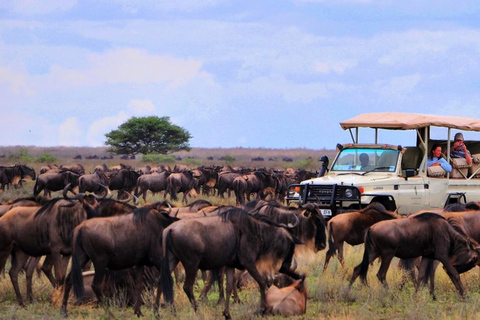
(190, 275)
(30, 267)
(230, 275)
(261, 286)
(18, 261)
(454, 276)
(341, 257)
(426, 273)
(97, 282)
(60, 267)
(138, 289)
(382, 272)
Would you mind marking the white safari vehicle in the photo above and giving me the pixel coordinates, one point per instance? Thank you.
(395, 175)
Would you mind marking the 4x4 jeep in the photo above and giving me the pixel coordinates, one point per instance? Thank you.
(393, 175)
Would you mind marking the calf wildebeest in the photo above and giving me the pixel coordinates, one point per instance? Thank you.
(54, 181)
(181, 182)
(290, 300)
(29, 231)
(350, 227)
(234, 239)
(426, 235)
(154, 182)
(98, 240)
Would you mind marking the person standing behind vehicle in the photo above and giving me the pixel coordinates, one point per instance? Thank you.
(459, 149)
(435, 158)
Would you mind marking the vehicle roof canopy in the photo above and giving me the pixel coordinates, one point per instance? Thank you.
(408, 121)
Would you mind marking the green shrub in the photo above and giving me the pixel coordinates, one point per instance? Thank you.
(46, 158)
(22, 156)
(192, 162)
(157, 158)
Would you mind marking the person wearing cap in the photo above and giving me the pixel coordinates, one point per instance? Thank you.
(459, 149)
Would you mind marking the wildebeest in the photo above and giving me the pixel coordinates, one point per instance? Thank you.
(29, 231)
(123, 180)
(258, 182)
(181, 182)
(13, 175)
(97, 240)
(19, 202)
(289, 300)
(96, 182)
(225, 182)
(234, 239)
(54, 181)
(350, 227)
(154, 182)
(426, 235)
(206, 178)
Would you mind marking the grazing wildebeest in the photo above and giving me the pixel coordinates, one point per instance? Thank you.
(289, 300)
(181, 182)
(96, 182)
(31, 232)
(426, 235)
(54, 181)
(258, 182)
(13, 175)
(234, 239)
(98, 240)
(350, 227)
(154, 182)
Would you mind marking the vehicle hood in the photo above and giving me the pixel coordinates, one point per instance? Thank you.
(350, 179)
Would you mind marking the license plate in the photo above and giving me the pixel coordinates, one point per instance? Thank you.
(326, 212)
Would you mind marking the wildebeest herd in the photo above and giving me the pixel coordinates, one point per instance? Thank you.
(134, 247)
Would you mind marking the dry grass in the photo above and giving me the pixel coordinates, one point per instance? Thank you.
(329, 294)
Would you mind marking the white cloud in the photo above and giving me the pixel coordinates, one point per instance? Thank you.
(131, 66)
(38, 7)
(133, 6)
(15, 81)
(70, 133)
(141, 107)
(98, 129)
(398, 87)
(338, 67)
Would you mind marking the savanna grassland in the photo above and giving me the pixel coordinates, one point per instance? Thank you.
(329, 295)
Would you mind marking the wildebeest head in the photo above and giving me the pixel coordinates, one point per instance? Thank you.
(465, 251)
(318, 226)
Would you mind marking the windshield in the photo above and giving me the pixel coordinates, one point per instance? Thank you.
(363, 159)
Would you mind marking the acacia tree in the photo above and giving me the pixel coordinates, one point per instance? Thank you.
(147, 135)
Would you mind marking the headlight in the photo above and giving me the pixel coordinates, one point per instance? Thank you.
(348, 193)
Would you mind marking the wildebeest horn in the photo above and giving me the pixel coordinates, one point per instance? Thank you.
(101, 197)
(297, 221)
(170, 209)
(129, 197)
(67, 188)
(176, 213)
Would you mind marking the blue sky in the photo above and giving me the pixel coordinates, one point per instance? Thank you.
(266, 74)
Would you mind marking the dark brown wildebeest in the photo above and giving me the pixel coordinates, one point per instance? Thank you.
(350, 227)
(206, 179)
(31, 232)
(181, 182)
(54, 181)
(77, 168)
(234, 239)
(96, 182)
(177, 168)
(258, 182)
(123, 180)
(97, 240)
(225, 182)
(427, 235)
(154, 182)
(13, 175)
(289, 300)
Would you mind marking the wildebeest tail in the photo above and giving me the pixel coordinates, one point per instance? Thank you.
(77, 277)
(429, 271)
(166, 280)
(365, 260)
(35, 188)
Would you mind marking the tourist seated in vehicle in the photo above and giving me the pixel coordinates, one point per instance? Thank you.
(459, 149)
(365, 161)
(435, 159)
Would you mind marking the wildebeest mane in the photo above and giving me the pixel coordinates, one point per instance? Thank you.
(13, 201)
(140, 215)
(46, 207)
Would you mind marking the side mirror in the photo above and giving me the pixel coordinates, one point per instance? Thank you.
(324, 167)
